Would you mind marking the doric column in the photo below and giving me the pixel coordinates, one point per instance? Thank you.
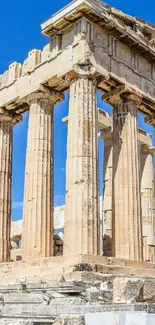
(126, 202)
(107, 192)
(7, 121)
(82, 207)
(37, 237)
(148, 201)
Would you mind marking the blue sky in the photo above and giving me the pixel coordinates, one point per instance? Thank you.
(20, 33)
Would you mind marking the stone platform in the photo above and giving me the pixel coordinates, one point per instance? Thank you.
(76, 268)
(63, 291)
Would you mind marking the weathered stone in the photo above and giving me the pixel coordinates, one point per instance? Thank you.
(126, 223)
(74, 320)
(68, 301)
(127, 290)
(15, 322)
(82, 171)
(149, 290)
(37, 239)
(23, 298)
(147, 197)
(95, 58)
(7, 121)
(107, 197)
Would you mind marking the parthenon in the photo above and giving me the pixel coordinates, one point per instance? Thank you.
(106, 270)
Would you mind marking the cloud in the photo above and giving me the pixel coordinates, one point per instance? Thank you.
(16, 205)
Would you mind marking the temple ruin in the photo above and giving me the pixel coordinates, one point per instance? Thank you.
(106, 270)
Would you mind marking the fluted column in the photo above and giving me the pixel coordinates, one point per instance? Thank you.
(148, 202)
(7, 121)
(37, 237)
(81, 232)
(107, 194)
(126, 204)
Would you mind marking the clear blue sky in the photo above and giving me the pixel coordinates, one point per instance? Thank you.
(19, 33)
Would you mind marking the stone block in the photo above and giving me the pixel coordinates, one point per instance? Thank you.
(65, 301)
(34, 58)
(92, 294)
(75, 320)
(132, 318)
(100, 319)
(150, 319)
(45, 53)
(149, 290)
(23, 298)
(127, 290)
(69, 287)
(14, 72)
(4, 79)
(135, 318)
(15, 322)
(151, 308)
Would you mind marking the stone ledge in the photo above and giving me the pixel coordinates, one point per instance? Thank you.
(73, 268)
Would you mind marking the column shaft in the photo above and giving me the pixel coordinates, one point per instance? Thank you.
(147, 199)
(37, 238)
(5, 189)
(127, 226)
(82, 206)
(107, 197)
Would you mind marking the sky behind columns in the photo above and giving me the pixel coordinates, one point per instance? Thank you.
(20, 32)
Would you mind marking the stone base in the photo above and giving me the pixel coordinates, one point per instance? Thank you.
(60, 291)
(79, 267)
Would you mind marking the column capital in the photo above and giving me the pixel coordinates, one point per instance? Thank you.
(47, 94)
(10, 117)
(106, 134)
(121, 95)
(131, 97)
(82, 70)
(146, 149)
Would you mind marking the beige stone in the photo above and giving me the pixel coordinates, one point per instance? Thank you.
(148, 203)
(37, 239)
(82, 215)
(127, 290)
(94, 60)
(126, 205)
(7, 121)
(107, 196)
(92, 47)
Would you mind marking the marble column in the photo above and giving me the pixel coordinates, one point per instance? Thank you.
(7, 121)
(126, 202)
(81, 230)
(107, 194)
(37, 237)
(148, 202)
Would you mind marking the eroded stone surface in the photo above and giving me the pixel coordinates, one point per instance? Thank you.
(82, 171)
(37, 239)
(68, 320)
(126, 201)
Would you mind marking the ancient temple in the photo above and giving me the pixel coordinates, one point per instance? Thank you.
(106, 274)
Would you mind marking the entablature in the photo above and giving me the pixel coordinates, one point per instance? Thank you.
(130, 30)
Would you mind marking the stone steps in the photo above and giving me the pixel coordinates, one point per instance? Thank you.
(55, 268)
